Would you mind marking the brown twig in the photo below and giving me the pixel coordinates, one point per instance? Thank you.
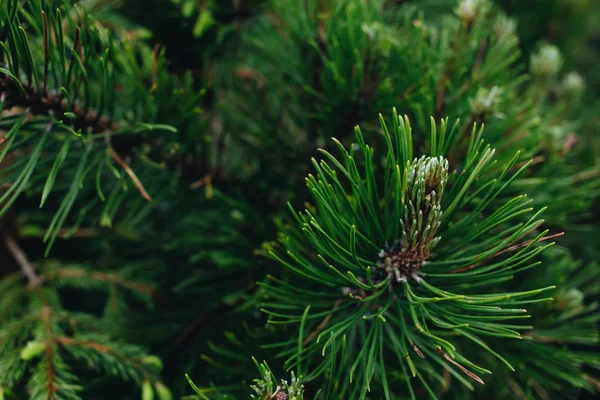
(101, 348)
(206, 180)
(474, 70)
(539, 390)
(64, 232)
(511, 248)
(323, 323)
(447, 380)
(480, 56)
(544, 339)
(462, 368)
(138, 184)
(516, 389)
(104, 277)
(87, 343)
(26, 267)
(592, 382)
(417, 350)
(439, 102)
(45, 314)
(154, 69)
(527, 243)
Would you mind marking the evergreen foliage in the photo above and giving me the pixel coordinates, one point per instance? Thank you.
(401, 293)
(445, 250)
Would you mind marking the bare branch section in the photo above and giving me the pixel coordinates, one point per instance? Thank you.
(26, 267)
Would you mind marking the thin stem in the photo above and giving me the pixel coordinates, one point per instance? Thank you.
(26, 267)
(511, 248)
(322, 325)
(138, 184)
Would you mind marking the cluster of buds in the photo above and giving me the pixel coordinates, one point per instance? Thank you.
(267, 388)
(546, 62)
(426, 179)
(295, 390)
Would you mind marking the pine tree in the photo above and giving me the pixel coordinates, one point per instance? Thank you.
(376, 199)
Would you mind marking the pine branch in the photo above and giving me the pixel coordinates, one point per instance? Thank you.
(41, 333)
(75, 274)
(403, 293)
(266, 387)
(52, 104)
(70, 93)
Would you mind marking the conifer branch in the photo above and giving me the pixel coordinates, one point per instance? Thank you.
(52, 104)
(113, 279)
(144, 369)
(418, 263)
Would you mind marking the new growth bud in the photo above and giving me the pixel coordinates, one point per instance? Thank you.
(485, 102)
(568, 299)
(426, 179)
(504, 27)
(573, 85)
(31, 350)
(469, 10)
(546, 62)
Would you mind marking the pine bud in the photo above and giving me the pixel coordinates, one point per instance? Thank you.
(295, 390)
(573, 85)
(31, 350)
(546, 62)
(569, 299)
(426, 180)
(505, 27)
(559, 132)
(485, 102)
(469, 10)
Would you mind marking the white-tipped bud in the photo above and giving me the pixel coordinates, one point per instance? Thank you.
(505, 27)
(469, 10)
(546, 62)
(573, 85)
(569, 299)
(486, 101)
(559, 132)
